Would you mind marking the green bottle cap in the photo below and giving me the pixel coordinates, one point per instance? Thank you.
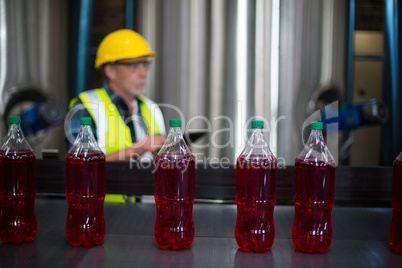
(14, 119)
(257, 124)
(174, 123)
(316, 125)
(86, 121)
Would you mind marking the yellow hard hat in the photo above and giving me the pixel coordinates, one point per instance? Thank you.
(122, 44)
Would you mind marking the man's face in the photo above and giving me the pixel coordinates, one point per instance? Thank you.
(129, 75)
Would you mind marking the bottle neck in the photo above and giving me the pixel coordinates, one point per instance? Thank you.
(85, 142)
(176, 129)
(85, 135)
(175, 132)
(316, 150)
(86, 128)
(15, 140)
(174, 144)
(257, 146)
(258, 131)
(257, 138)
(15, 132)
(15, 127)
(316, 141)
(316, 136)
(399, 157)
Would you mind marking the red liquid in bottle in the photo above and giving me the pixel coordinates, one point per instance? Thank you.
(85, 193)
(313, 198)
(395, 234)
(174, 196)
(17, 197)
(255, 198)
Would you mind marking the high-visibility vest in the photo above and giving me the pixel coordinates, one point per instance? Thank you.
(113, 133)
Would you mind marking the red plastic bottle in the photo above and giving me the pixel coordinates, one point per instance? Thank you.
(17, 187)
(85, 189)
(395, 234)
(255, 193)
(314, 194)
(174, 192)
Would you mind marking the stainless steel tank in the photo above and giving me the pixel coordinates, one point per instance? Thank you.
(312, 67)
(33, 55)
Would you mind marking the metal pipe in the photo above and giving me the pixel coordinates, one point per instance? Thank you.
(3, 50)
(130, 14)
(391, 32)
(349, 60)
(81, 38)
(349, 70)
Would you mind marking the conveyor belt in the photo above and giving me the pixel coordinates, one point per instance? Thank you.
(360, 239)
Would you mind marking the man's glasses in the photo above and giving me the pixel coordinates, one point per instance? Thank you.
(134, 66)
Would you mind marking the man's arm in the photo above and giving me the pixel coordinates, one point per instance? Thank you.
(150, 143)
